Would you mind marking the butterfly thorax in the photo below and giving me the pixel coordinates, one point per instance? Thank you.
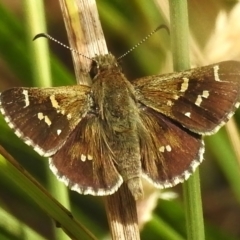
(113, 95)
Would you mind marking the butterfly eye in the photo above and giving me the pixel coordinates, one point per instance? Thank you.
(94, 69)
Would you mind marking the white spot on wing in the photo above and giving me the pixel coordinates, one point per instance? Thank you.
(168, 148)
(237, 104)
(216, 75)
(199, 100)
(28, 142)
(205, 94)
(2, 110)
(47, 120)
(187, 114)
(161, 149)
(184, 85)
(54, 101)
(40, 116)
(83, 157)
(59, 132)
(89, 157)
(7, 119)
(18, 133)
(39, 150)
(25, 93)
(11, 125)
(228, 117)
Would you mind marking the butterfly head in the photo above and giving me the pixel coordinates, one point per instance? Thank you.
(103, 63)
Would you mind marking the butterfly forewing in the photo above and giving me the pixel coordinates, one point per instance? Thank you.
(200, 99)
(44, 117)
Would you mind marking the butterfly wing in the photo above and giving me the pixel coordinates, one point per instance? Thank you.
(169, 152)
(201, 99)
(85, 162)
(44, 117)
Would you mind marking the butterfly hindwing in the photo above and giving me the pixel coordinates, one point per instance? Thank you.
(200, 99)
(85, 162)
(171, 153)
(44, 117)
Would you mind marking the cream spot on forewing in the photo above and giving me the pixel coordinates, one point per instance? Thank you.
(59, 132)
(46, 118)
(215, 72)
(40, 116)
(26, 98)
(161, 149)
(205, 94)
(184, 85)
(54, 101)
(83, 157)
(168, 148)
(187, 114)
(199, 100)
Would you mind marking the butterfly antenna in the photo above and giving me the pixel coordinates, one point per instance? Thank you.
(55, 40)
(144, 39)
